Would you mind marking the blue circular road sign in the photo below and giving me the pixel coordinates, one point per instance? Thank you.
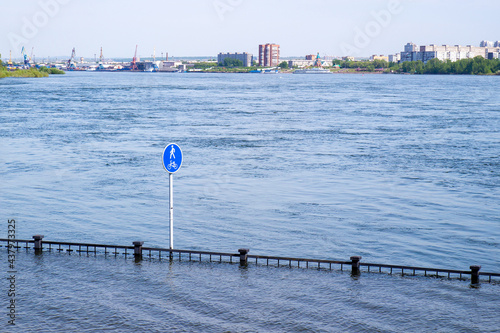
(172, 158)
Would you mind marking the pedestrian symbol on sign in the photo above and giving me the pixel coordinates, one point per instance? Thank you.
(172, 158)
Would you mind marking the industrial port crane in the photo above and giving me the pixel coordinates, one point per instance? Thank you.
(70, 63)
(26, 58)
(101, 57)
(100, 67)
(155, 66)
(133, 65)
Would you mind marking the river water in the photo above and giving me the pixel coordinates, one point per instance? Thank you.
(398, 169)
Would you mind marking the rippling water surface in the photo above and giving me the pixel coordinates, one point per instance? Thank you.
(397, 169)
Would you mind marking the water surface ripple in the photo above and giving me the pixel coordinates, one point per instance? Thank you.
(397, 169)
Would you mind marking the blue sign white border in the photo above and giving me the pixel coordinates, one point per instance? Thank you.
(163, 157)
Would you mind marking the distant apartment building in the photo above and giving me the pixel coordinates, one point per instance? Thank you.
(394, 57)
(379, 57)
(487, 43)
(269, 55)
(413, 52)
(493, 55)
(245, 58)
(310, 57)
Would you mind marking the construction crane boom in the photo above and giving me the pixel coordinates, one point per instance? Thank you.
(133, 65)
(101, 57)
(70, 61)
(26, 58)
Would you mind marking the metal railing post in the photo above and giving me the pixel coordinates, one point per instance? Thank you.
(355, 265)
(243, 256)
(38, 242)
(474, 274)
(138, 248)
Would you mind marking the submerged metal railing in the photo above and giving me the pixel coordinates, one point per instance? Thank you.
(355, 264)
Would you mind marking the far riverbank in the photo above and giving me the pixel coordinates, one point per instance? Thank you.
(31, 72)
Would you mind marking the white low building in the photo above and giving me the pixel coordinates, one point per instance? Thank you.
(300, 63)
(169, 66)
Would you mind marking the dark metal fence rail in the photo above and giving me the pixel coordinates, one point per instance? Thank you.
(139, 252)
(114, 249)
(295, 262)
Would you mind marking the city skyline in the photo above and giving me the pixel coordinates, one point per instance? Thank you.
(54, 27)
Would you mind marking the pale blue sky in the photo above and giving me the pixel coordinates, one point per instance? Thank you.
(207, 27)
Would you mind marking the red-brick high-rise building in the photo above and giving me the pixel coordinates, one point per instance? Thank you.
(269, 55)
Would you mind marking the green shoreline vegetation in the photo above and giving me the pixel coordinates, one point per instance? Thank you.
(475, 66)
(31, 72)
(228, 66)
(51, 70)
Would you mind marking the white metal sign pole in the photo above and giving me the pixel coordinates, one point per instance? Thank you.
(172, 161)
(171, 184)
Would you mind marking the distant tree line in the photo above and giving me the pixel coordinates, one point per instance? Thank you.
(369, 66)
(283, 65)
(477, 65)
(232, 63)
(204, 65)
(44, 69)
(361, 64)
(228, 62)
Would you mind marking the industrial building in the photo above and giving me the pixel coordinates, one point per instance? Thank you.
(269, 55)
(245, 58)
(169, 66)
(413, 52)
